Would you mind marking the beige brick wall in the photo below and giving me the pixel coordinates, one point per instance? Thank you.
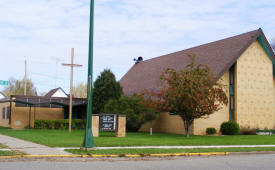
(165, 123)
(4, 122)
(254, 87)
(95, 125)
(20, 115)
(121, 126)
(274, 103)
(214, 120)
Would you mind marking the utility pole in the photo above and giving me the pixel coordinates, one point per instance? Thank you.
(88, 139)
(25, 79)
(72, 65)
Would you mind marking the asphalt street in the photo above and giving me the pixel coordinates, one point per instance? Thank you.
(232, 162)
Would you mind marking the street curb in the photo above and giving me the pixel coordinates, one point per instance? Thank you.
(117, 155)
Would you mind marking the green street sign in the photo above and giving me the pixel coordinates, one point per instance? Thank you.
(5, 83)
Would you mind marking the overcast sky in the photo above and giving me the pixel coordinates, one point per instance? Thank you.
(44, 31)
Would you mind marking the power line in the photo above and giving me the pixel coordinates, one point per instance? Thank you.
(53, 77)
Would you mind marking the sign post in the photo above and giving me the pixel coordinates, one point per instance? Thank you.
(88, 139)
(5, 83)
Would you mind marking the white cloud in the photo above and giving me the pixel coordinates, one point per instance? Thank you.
(124, 29)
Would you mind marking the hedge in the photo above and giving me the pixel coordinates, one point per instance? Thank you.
(211, 131)
(230, 128)
(59, 124)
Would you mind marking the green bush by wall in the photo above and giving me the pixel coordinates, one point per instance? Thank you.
(59, 124)
(211, 131)
(230, 128)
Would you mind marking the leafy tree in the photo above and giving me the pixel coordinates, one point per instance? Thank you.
(80, 90)
(136, 114)
(16, 87)
(191, 93)
(105, 87)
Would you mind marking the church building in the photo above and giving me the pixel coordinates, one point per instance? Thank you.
(244, 63)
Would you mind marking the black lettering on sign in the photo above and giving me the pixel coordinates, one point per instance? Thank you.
(107, 122)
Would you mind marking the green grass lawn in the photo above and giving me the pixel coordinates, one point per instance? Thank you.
(61, 138)
(158, 151)
(10, 153)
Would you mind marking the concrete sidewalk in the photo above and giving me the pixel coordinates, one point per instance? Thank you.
(30, 147)
(173, 147)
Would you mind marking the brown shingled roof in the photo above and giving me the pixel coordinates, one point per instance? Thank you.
(219, 56)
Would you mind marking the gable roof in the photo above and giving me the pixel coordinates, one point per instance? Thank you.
(2, 96)
(53, 91)
(219, 56)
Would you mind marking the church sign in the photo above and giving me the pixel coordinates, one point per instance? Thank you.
(107, 122)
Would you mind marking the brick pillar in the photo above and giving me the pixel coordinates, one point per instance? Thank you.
(121, 126)
(95, 125)
(32, 116)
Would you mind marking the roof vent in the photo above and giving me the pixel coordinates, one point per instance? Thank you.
(138, 60)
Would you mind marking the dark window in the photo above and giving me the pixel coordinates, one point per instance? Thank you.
(8, 112)
(232, 76)
(231, 102)
(3, 113)
(231, 99)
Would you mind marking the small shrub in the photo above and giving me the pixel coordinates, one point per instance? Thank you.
(79, 124)
(230, 128)
(211, 131)
(246, 131)
(59, 124)
(27, 127)
(40, 124)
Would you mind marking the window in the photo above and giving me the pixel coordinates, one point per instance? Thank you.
(3, 113)
(231, 102)
(232, 76)
(232, 95)
(8, 112)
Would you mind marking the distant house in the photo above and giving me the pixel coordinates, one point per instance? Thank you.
(18, 111)
(58, 92)
(2, 96)
(4, 110)
(244, 63)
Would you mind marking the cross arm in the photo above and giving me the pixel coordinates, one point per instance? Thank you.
(74, 65)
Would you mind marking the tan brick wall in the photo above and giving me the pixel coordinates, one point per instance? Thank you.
(4, 122)
(95, 125)
(165, 123)
(214, 120)
(254, 87)
(121, 126)
(20, 115)
(274, 103)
